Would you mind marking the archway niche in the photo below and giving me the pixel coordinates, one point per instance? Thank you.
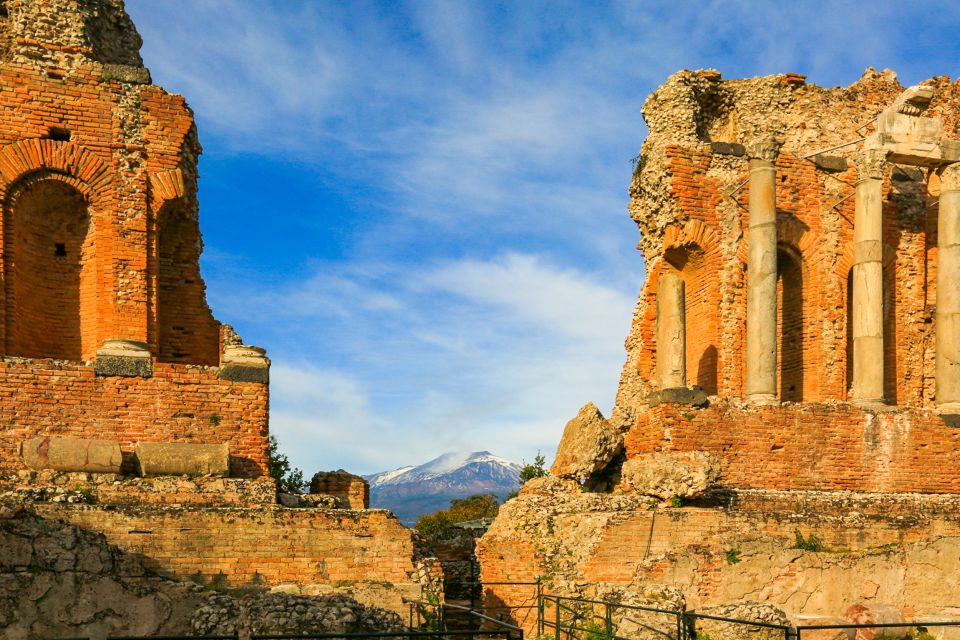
(50, 268)
(187, 331)
(701, 302)
(790, 327)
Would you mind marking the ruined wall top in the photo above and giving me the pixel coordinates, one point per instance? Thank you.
(64, 33)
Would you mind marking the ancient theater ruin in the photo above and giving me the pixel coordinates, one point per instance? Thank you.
(133, 425)
(793, 369)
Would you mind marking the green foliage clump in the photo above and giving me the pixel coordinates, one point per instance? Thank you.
(536, 470)
(733, 556)
(810, 543)
(441, 525)
(289, 479)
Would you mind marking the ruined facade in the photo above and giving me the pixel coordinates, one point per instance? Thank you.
(105, 331)
(134, 438)
(791, 369)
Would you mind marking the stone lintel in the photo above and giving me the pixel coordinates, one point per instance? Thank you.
(694, 396)
(830, 163)
(728, 149)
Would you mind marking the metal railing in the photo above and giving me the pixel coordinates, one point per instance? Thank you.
(601, 619)
(574, 618)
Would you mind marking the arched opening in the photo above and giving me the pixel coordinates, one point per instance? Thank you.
(51, 279)
(187, 330)
(790, 325)
(701, 305)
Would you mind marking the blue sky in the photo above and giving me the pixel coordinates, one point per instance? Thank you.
(419, 208)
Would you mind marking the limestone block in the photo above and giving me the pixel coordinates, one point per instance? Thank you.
(587, 446)
(550, 486)
(864, 613)
(644, 625)
(665, 475)
(752, 611)
(182, 458)
(72, 454)
(245, 363)
(124, 358)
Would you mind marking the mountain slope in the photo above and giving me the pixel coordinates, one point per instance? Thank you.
(413, 491)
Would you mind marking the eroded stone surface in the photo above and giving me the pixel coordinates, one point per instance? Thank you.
(668, 475)
(589, 443)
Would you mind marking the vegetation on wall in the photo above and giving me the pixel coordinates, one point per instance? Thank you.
(289, 479)
(442, 524)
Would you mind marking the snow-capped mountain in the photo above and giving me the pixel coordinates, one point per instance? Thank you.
(413, 491)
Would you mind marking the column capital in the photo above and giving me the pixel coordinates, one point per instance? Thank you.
(950, 177)
(764, 149)
(870, 163)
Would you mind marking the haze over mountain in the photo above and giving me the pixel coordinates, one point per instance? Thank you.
(415, 490)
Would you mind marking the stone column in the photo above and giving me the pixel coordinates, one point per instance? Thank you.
(761, 373)
(948, 292)
(671, 332)
(867, 321)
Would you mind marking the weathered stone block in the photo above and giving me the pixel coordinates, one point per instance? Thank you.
(693, 396)
(245, 363)
(72, 454)
(182, 458)
(752, 611)
(830, 163)
(588, 445)
(126, 73)
(671, 474)
(728, 148)
(124, 358)
(350, 491)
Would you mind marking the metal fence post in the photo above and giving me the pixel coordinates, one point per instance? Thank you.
(608, 620)
(556, 628)
(540, 620)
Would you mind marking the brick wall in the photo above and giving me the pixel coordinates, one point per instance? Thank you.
(180, 403)
(100, 240)
(352, 491)
(259, 546)
(810, 446)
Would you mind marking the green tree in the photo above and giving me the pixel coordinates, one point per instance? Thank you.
(441, 524)
(536, 470)
(289, 479)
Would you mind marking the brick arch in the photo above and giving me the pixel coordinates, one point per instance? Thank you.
(24, 157)
(36, 165)
(692, 251)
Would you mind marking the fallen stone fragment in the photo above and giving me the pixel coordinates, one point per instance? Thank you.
(72, 454)
(182, 458)
(588, 445)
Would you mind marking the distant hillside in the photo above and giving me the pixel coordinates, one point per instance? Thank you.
(413, 491)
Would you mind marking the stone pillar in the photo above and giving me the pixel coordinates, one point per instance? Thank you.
(867, 321)
(761, 373)
(948, 292)
(671, 332)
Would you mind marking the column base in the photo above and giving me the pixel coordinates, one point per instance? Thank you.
(949, 408)
(871, 404)
(763, 400)
(124, 358)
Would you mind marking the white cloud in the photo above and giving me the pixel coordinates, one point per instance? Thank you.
(473, 354)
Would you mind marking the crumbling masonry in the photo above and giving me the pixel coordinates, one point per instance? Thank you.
(793, 366)
(134, 426)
